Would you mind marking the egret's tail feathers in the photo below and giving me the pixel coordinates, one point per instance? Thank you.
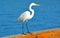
(18, 20)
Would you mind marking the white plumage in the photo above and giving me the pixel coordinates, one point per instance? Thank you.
(27, 16)
(24, 16)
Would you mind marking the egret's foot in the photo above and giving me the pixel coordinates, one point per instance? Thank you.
(23, 34)
(29, 32)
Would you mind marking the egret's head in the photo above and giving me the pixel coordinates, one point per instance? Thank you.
(34, 4)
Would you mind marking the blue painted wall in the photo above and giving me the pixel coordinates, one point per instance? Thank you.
(47, 16)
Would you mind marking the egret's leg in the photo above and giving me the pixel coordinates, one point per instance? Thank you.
(22, 28)
(27, 28)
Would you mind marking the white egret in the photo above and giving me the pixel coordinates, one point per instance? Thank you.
(27, 16)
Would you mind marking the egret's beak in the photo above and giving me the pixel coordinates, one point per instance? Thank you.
(37, 5)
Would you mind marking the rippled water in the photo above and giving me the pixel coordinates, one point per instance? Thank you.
(47, 16)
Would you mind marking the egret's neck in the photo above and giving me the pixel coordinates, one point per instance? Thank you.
(30, 8)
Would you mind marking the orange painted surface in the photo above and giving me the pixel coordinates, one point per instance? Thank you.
(46, 34)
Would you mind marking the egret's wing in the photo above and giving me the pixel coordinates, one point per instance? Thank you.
(23, 16)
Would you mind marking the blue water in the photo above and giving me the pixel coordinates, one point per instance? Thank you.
(47, 16)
